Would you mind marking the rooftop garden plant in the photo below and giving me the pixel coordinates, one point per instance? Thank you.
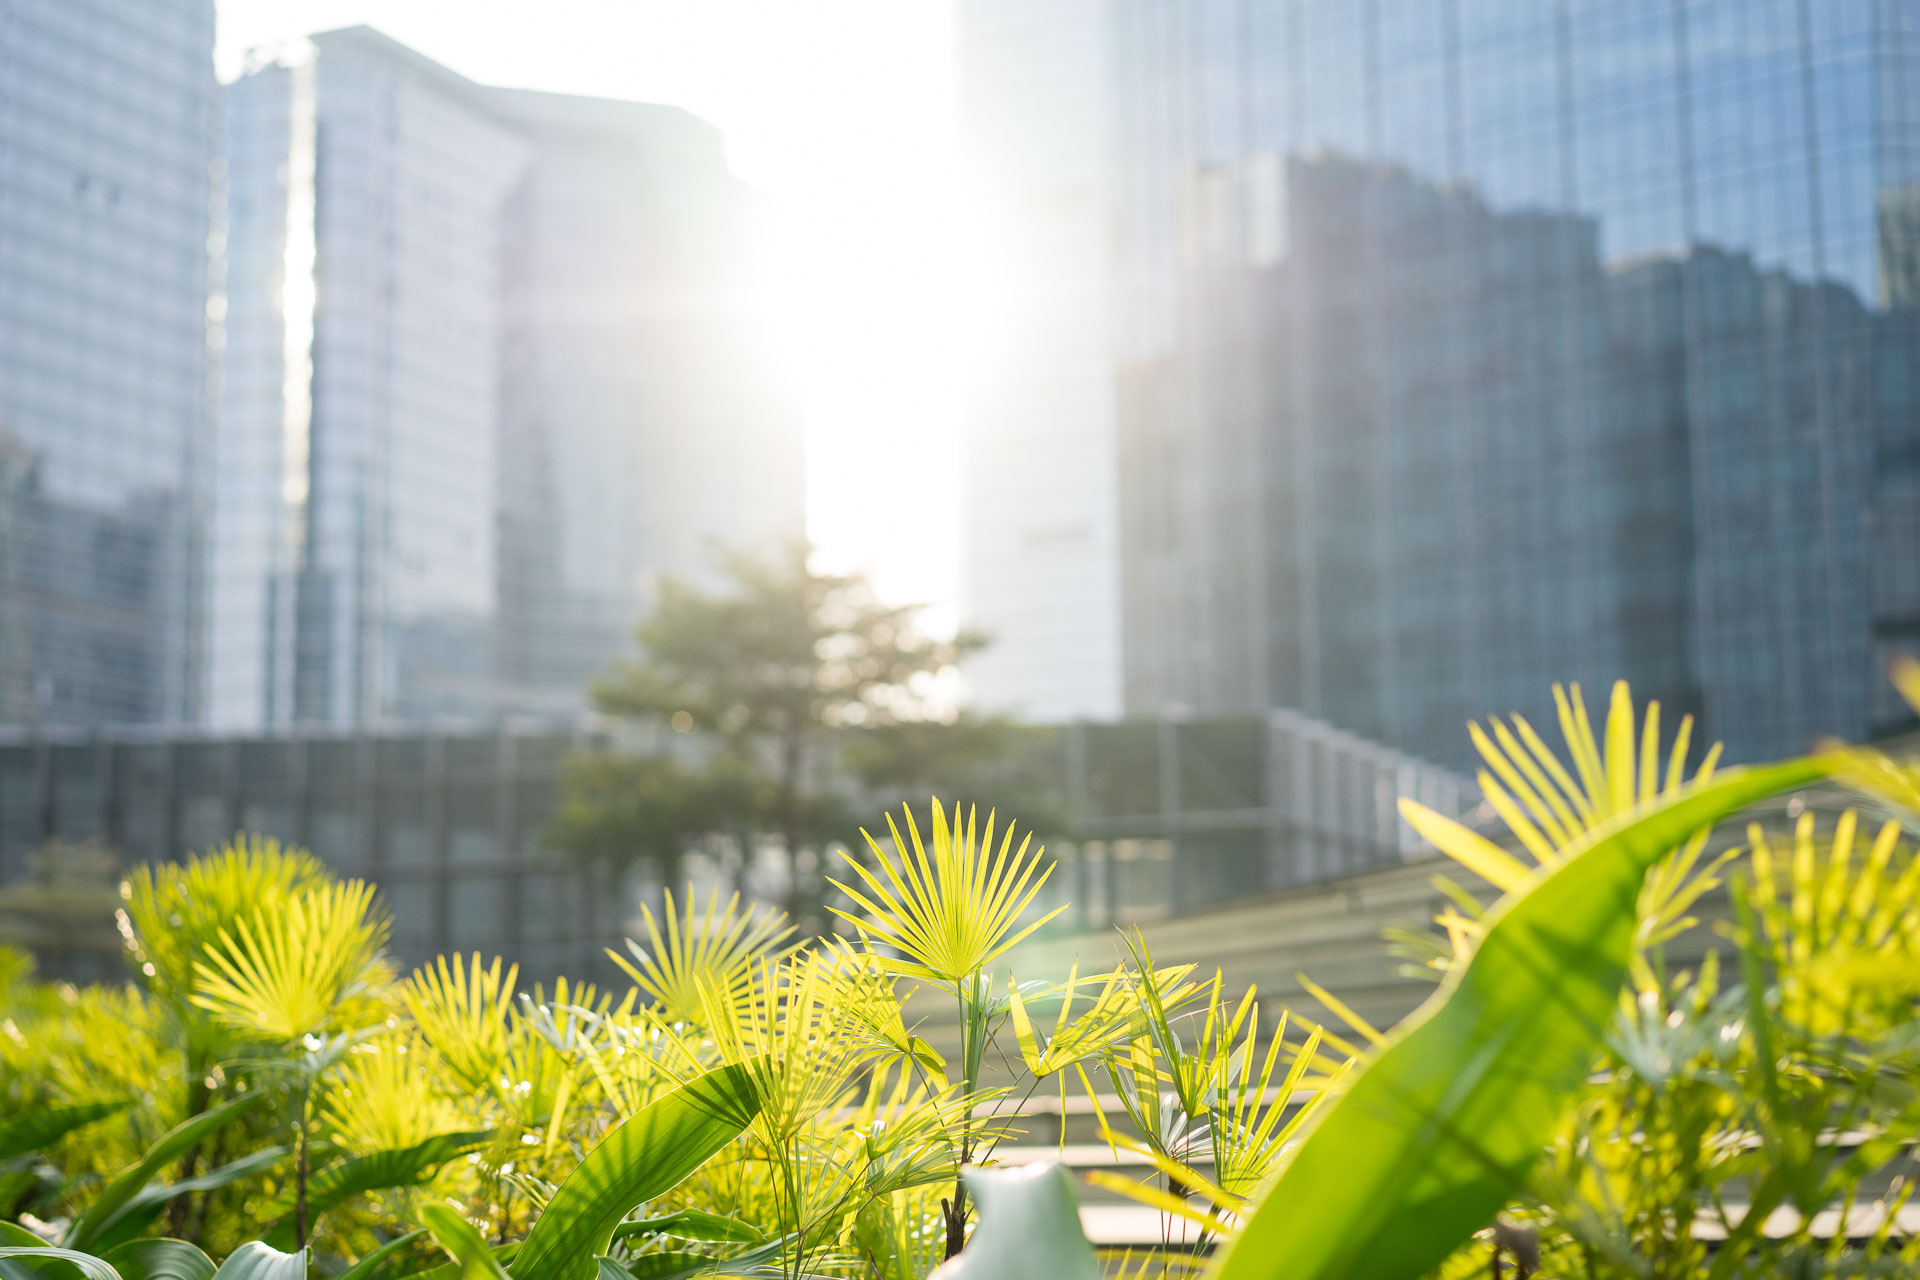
(1571, 1101)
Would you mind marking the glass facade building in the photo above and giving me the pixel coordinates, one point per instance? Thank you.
(1467, 346)
(1040, 523)
(448, 825)
(1157, 817)
(640, 425)
(354, 518)
(485, 381)
(108, 120)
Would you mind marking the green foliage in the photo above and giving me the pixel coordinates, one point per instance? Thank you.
(769, 702)
(25, 1134)
(644, 1157)
(1570, 1102)
(159, 1260)
(118, 1195)
(1444, 1124)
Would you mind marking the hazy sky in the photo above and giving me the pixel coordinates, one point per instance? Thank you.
(841, 111)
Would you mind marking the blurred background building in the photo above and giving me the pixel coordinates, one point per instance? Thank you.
(1461, 349)
(108, 117)
(354, 516)
(643, 427)
(1159, 818)
(1040, 535)
(486, 381)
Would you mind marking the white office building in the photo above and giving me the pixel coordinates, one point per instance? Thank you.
(1041, 538)
(108, 113)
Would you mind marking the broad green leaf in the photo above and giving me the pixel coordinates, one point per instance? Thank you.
(26, 1134)
(461, 1240)
(689, 1224)
(643, 1157)
(159, 1260)
(658, 1266)
(90, 1266)
(256, 1261)
(1442, 1126)
(1029, 1228)
(376, 1171)
(138, 1213)
(369, 1264)
(171, 1146)
(755, 1264)
(31, 1268)
(502, 1254)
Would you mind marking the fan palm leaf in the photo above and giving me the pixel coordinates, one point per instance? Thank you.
(1548, 805)
(700, 948)
(289, 974)
(952, 914)
(462, 1013)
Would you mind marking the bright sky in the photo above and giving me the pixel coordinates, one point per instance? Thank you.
(841, 111)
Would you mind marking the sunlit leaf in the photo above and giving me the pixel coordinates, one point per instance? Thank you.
(645, 1156)
(1442, 1125)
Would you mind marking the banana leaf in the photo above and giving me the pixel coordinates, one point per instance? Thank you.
(364, 1268)
(28, 1267)
(689, 1224)
(643, 1157)
(472, 1258)
(1442, 1127)
(91, 1267)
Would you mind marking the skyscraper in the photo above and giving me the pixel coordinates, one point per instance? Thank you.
(1467, 348)
(1040, 540)
(486, 381)
(642, 427)
(353, 544)
(107, 141)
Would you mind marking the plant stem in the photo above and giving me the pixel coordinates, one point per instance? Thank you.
(956, 1213)
(300, 1171)
(177, 1212)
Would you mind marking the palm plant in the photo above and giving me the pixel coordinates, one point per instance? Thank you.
(698, 950)
(945, 919)
(307, 979)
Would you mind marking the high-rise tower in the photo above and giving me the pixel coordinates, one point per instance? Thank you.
(108, 118)
(1040, 537)
(355, 514)
(1467, 348)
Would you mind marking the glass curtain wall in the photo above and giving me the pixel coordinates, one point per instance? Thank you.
(1473, 345)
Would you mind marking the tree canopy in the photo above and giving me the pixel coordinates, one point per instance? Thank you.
(772, 709)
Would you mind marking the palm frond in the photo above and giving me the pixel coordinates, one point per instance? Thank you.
(953, 914)
(1548, 805)
(174, 913)
(289, 974)
(786, 1028)
(699, 948)
(462, 1012)
(382, 1098)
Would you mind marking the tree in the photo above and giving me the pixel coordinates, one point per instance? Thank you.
(764, 685)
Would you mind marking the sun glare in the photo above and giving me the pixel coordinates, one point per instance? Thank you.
(881, 291)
